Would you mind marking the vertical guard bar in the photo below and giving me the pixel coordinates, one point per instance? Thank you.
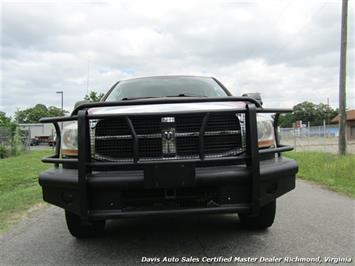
(202, 136)
(84, 158)
(135, 139)
(57, 142)
(277, 142)
(253, 152)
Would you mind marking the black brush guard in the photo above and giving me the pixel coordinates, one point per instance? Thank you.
(85, 165)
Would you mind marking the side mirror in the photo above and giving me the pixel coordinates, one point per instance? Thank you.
(254, 95)
(81, 103)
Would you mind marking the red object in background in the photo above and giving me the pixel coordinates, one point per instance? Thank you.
(298, 124)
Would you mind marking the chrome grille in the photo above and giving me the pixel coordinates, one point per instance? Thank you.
(112, 138)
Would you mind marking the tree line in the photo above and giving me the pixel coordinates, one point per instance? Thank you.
(315, 114)
(305, 111)
(35, 113)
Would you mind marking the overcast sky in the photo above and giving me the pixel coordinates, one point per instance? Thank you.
(287, 50)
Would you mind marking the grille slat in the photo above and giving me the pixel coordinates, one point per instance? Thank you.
(113, 140)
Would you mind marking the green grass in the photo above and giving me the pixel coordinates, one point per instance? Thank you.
(335, 172)
(19, 188)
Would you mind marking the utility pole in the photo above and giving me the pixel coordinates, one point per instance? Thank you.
(342, 80)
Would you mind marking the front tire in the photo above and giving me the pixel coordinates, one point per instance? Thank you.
(80, 229)
(263, 220)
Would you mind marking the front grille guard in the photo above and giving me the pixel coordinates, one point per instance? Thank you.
(86, 166)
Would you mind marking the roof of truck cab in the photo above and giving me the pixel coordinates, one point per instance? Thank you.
(169, 76)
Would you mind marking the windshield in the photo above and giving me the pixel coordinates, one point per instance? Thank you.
(166, 87)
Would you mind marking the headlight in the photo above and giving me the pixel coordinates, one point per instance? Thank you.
(70, 140)
(266, 137)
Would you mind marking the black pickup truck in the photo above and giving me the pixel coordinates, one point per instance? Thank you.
(168, 145)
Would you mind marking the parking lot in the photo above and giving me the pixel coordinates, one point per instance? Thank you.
(40, 147)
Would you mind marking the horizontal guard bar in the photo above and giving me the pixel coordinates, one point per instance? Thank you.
(59, 160)
(101, 116)
(226, 159)
(282, 148)
(167, 101)
(58, 119)
(274, 110)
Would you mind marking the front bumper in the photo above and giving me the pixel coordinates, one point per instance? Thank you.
(231, 186)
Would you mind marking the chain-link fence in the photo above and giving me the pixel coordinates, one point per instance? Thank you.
(12, 141)
(5, 135)
(314, 138)
(24, 137)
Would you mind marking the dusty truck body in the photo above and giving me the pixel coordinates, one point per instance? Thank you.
(167, 146)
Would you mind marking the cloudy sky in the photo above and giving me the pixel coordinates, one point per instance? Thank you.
(287, 50)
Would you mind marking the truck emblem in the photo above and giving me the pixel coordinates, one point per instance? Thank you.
(168, 136)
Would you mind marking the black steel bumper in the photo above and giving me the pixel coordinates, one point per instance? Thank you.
(233, 184)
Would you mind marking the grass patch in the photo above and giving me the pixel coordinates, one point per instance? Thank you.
(19, 188)
(335, 172)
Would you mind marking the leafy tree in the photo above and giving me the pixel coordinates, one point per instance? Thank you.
(325, 112)
(34, 114)
(9, 145)
(55, 111)
(308, 112)
(7, 122)
(286, 120)
(4, 120)
(94, 96)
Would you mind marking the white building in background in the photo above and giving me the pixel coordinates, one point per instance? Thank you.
(43, 132)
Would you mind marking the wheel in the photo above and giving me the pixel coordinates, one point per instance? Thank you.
(263, 220)
(80, 229)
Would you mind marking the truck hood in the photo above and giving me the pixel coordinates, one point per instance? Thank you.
(167, 108)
